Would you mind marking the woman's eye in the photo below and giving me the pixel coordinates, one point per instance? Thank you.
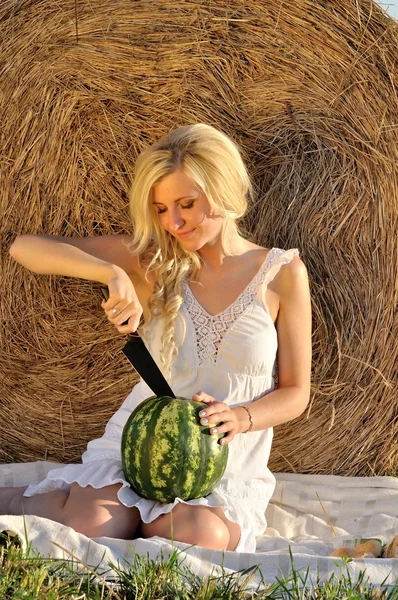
(189, 205)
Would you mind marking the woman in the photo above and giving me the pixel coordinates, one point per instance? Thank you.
(219, 313)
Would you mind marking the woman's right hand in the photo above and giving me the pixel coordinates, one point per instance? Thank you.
(123, 303)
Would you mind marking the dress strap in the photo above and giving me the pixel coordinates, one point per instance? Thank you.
(275, 260)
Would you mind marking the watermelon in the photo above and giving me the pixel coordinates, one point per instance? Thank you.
(168, 454)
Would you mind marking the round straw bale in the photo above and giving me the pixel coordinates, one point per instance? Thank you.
(309, 91)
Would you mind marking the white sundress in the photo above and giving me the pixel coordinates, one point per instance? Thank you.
(230, 356)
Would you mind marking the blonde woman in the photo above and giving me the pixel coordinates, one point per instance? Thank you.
(220, 313)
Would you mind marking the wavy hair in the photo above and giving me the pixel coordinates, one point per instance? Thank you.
(212, 160)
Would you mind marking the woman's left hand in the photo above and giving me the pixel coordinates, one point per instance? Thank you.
(220, 415)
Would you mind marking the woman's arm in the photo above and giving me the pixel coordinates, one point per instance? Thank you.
(294, 362)
(294, 351)
(87, 257)
(105, 259)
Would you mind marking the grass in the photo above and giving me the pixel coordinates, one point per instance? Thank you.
(26, 575)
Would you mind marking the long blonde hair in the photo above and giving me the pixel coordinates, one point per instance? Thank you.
(212, 160)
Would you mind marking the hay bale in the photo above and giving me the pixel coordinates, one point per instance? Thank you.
(309, 91)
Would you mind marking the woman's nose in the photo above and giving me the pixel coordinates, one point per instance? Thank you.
(176, 220)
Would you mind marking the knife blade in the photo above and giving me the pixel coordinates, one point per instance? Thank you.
(143, 362)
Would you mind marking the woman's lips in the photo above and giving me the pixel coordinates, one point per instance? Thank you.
(184, 234)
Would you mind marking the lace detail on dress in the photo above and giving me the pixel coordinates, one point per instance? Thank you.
(277, 257)
(210, 330)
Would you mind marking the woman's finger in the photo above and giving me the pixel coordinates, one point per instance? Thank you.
(131, 326)
(202, 397)
(227, 439)
(121, 313)
(113, 313)
(113, 302)
(219, 428)
(210, 419)
(120, 297)
(213, 408)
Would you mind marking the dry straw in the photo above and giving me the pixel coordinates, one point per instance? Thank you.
(309, 90)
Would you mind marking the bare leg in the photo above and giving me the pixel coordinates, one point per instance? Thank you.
(87, 510)
(200, 525)
(6, 496)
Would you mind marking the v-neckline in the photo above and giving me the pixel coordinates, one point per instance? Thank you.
(237, 299)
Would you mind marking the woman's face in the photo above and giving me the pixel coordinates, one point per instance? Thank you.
(184, 211)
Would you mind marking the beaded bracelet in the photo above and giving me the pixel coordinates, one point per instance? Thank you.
(250, 419)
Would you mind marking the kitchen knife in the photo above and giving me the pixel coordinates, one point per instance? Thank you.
(141, 359)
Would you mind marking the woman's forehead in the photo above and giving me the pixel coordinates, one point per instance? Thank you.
(173, 187)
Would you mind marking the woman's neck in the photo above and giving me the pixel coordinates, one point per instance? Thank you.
(214, 256)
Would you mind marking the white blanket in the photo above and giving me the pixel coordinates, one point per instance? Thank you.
(356, 507)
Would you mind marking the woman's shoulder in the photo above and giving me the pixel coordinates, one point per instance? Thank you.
(291, 271)
(274, 256)
(255, 253)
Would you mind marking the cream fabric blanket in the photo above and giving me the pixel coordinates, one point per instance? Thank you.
(310, 514)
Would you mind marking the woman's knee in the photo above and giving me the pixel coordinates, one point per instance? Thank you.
(196, 525)
(219, 538)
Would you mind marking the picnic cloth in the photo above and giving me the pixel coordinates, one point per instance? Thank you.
(309, 516)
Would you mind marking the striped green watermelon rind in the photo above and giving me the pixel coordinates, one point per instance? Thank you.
(168, 454)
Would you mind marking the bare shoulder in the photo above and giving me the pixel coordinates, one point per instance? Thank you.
(256, 254)
(290, 278)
